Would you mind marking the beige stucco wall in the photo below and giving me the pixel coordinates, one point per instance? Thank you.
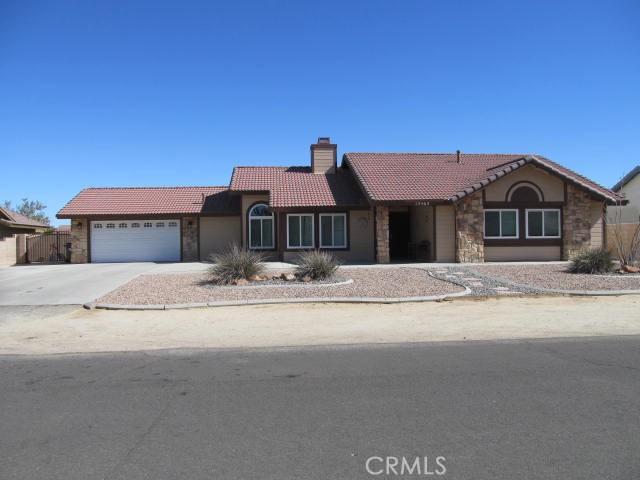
(445, 233)
(552, 187)
(628, 213)
(218, 233)
(597, 225)
(362, 238)
(422, 225)
(7, 251)
(523, 254)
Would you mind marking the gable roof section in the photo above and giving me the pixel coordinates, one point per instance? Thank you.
(438, 177)
(290, 187)
(95, 202)
(14, 218)
(626, 179)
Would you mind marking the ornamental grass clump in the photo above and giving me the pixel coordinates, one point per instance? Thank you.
(592, 261)
(235, 264)
(316, 265)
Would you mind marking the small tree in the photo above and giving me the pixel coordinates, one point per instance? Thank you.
(626, 244)
(34, 209)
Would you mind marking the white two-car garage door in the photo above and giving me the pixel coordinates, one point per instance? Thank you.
(135, 241)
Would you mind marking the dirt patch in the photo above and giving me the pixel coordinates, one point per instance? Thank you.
(556, 277)
(192, 288)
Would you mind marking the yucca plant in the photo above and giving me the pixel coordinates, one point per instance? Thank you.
(235, 264)
(592, 261)
(316, 264)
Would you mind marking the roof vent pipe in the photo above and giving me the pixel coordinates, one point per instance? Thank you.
(458, 156)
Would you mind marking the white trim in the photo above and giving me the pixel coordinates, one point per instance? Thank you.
(313, 233)
(333, 243)
(501, 237)
(543, 210)
(262, 218)
(534, 187)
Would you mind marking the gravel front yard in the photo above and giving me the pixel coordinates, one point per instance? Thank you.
(555, 277)
(367, 282)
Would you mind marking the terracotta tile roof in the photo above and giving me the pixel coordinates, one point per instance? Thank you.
(11, 217)
(298, 187)
(390, 177)
(151, 201)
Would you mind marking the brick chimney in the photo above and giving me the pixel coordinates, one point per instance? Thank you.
(324, 156)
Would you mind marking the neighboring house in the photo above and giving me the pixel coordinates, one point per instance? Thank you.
(629, 189)
(373, 207)
(12, 223)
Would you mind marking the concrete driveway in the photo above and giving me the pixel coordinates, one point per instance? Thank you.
(71, 284)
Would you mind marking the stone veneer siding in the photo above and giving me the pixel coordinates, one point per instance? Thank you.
(470, 229)
(79, 240)
(190, 239)
(382, 235)
(576, 219)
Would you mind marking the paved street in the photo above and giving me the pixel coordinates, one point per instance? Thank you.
(540, 409)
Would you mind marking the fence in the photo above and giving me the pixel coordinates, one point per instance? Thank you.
(51, 247)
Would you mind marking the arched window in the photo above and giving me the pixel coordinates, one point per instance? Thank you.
(525, 193)
(261, 231)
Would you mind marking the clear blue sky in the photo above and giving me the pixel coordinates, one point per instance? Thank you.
(177, 93)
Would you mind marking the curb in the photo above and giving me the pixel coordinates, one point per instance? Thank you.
(277, 301)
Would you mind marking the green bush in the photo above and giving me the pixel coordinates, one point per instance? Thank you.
(235, 264)
(591, 261)
(316, 265)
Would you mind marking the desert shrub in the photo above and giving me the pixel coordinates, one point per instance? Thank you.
(235, 264)
(592, 261)
(316, 265)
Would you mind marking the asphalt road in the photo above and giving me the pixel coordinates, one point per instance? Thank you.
(536, 410)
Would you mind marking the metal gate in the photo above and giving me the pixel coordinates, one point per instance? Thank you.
(54, 247)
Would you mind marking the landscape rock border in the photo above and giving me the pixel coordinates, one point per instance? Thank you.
(291, 284)
(579, 293)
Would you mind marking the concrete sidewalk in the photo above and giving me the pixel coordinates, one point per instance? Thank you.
(49, 330)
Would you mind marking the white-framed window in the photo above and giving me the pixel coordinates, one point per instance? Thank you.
(122, 225)
(173, 224)
(111, 225)
(148, 224)
(543, 223)
(135, 225)
(300, 230)
(261, 231)
(333, 230)
(501, 223)
(159, 224)
(97, 225)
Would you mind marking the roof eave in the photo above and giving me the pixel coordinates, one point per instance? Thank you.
(21, 225)
(626, 179)
(517, 164)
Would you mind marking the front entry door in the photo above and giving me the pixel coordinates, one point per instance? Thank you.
(399, 235)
